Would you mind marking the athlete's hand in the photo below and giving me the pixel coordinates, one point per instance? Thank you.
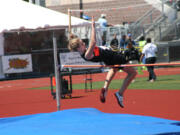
(93, 22)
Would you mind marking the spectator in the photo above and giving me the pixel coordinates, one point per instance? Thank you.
(178, 5)
(114, 43)
(123, 42)
(132, 54)
(142, 43)
(129, 38)
(103, 24)
(149, 51)
(103, 40)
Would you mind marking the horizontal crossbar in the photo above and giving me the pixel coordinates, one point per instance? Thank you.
(124, 65)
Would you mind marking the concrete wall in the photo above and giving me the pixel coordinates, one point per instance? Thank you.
(117, 11)
(67, 2)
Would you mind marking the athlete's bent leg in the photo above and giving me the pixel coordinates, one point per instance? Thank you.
(111, 73)
(131, 73)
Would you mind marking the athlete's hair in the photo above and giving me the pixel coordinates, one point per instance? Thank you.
(73, 42)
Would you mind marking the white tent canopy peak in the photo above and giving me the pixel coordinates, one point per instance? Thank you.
(16, 14)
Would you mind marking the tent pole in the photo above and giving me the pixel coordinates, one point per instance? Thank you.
(57, 73)
(69, 13)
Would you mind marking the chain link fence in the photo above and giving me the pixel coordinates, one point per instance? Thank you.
(168, 51)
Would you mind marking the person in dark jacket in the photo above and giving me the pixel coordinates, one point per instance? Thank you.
(114, 43)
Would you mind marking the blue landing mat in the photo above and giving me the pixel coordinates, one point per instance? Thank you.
(87, 121)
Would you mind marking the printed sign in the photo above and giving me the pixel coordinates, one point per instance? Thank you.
(17, 63)
(74, 58)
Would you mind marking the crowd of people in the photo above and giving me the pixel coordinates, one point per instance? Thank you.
(142, 52)
(137, 52)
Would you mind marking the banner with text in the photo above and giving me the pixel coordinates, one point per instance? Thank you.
(17, 63)
(74, 58)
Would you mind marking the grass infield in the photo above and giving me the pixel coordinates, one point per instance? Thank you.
(167, 82)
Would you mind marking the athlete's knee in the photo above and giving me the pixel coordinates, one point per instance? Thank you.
(133, 73)
(130, 71)
(107, 80)
(115, 70)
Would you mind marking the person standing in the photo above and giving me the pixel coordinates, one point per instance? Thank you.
(123, 42)
(142, 43)
(103, 40)
(103, 22)
(150, 51)
(129, 38)
(103, 25)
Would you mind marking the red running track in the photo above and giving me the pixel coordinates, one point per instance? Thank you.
(16, 99)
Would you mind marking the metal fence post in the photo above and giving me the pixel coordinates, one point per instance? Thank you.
(57, 73)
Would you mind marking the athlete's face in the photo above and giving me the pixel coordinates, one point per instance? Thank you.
(82, 47)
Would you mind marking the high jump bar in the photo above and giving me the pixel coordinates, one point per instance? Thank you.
(123, 65)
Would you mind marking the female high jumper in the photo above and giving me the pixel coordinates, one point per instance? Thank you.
(96, 53)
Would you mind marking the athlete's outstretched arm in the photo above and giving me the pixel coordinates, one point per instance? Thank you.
(89, 52)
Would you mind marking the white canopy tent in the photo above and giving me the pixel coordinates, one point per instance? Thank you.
(16, 14)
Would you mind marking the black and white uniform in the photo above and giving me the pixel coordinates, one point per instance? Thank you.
(109, 57)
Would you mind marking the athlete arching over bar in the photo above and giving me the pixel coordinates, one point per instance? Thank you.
(99, 54)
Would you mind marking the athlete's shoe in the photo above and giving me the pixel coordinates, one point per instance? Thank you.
(103, 95)
(119, 99)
